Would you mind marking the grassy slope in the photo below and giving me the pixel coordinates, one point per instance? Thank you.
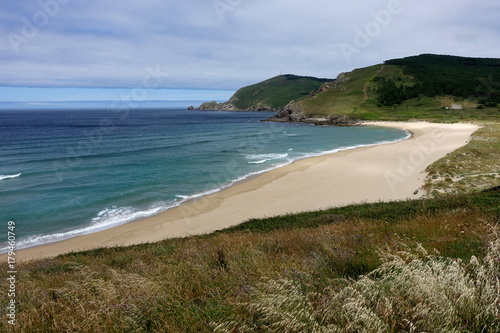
(181, 285)
(358, 100)
(345, 99)
(276, 92)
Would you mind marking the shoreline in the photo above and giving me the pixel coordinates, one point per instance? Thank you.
(42, 240)
(384, 171)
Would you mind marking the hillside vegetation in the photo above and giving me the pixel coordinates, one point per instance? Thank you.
(271, 94)
(432, 87)
(294, 273)
(469, 78)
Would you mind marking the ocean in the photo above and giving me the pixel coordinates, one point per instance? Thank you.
(65, 173)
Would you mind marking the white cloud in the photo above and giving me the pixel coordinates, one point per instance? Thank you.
(111, 43)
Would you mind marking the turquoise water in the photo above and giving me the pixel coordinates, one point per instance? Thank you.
(66, 173)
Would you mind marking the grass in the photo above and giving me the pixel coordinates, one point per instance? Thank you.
(276, 92)
(409, 292)
(431, 109)
(474, 166)
(357, 99)
(183, 285)
(344, 99)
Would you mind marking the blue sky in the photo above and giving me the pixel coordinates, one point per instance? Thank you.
(206, 49)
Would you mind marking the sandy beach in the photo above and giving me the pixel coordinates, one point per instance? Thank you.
(393, 171)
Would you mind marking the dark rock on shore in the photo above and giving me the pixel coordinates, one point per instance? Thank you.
(294, 112)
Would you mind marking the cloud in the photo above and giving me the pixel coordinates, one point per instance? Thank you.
(225, 44)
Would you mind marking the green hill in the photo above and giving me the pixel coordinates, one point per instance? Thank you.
(473, 78)
(424, 87)
(271, 94)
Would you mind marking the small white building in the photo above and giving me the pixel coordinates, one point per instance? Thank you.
(456, 107)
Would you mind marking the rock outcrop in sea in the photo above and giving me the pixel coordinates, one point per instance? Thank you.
(214, 106)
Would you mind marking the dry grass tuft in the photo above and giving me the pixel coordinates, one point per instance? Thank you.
(311, 261)
(424, 294)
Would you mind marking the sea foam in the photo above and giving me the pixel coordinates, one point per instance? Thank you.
(105, 219)
(262, 158)
(2, 177)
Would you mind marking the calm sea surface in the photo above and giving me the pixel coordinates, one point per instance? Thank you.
(71, 172)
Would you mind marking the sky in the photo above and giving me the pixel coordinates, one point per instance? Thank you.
(70, 50)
